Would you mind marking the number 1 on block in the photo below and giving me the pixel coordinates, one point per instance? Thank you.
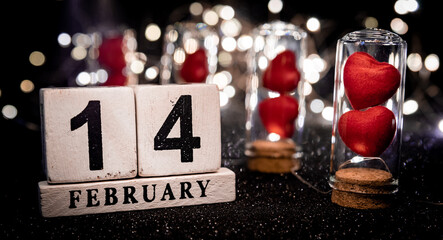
(89, 134)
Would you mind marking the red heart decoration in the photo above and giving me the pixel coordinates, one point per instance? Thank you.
(111, 54)
(369, 82)
(195, 67)
(282, 75)
(367, 133)
(278, 115)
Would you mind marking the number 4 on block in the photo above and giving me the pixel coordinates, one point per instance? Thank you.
(178, 129)
(89, 134)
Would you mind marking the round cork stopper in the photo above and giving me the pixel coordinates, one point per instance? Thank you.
(273, 165)
(364, 176)
(279, 149)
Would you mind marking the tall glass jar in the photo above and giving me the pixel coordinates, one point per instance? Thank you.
(274, 100)
(368, 118)
(189, 53)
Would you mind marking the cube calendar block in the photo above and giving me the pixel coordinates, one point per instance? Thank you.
(169, 135)
(178, 129)
(89, 134)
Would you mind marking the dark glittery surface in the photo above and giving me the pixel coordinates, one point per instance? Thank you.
(270, 206)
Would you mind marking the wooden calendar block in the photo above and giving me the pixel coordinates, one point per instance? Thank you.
(136, 194)
(178, 129)
(89, 134)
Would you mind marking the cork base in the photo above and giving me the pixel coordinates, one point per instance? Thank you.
(363, 188)
(361, 201)
(273, 165)
(272, 157)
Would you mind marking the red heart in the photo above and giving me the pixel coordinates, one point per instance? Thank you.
(368, 132)
(369, 82)
(195, 67)
(282, 75)
(278, 115)
(111, 54)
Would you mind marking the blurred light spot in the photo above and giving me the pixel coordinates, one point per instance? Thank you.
(210, 17)
(227, 12)
(229, 44)
(231, 28)
(244, 42)
(0, 92)
(370, 22)
(196, 8)
(273, 137)
(79, 53)
(400, 7)
(173, 35)
(313, 24)
(224, 99)
(399, 26)
(152, 32)
(432, 62)
(81, 40)
(9, 112)
(137, 66)
(440, 125)
(222, 79)
(229, 91)
(262, 62)
(64, 39)
(211, 41)
(328, 113)
(102, 75)
(259, 43)
(317, 106)
(151, 73)
(26, 86)
(405, 6)
(414, 62)
(37, 58)
(275, 6)
(190, 45)
(307, 89)
(410, 107)
(83, 79)
(225, 59)
(179, 55)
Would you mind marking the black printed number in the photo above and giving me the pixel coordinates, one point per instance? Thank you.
(91, 115)
(186, 142)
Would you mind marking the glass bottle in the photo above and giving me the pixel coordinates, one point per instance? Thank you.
(368, 117)
(274, 100)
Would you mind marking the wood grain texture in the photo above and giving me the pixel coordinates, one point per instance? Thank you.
(136, 194)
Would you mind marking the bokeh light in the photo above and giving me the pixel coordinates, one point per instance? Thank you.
(152, 32)
(27, 86)
(37, 58)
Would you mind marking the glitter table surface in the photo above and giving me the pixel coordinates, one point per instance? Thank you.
(267, 205)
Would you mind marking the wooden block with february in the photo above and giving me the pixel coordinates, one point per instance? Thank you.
(136, 194)
(88, 134)
(178, 129)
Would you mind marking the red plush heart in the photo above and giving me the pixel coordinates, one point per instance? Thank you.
(278, 115)
(282, 75)
(369, 82)
(111, 54)
(367, 133)
(195, 67)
